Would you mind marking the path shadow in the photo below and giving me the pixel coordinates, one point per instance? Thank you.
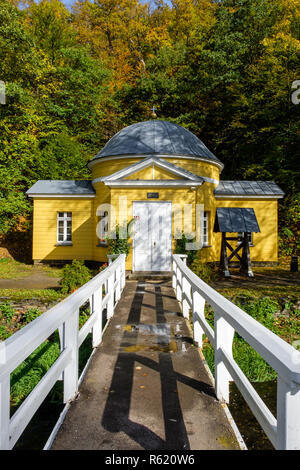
(117, 409)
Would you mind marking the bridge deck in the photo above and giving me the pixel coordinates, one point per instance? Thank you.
(146, 387)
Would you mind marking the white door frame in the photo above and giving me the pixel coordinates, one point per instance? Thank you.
(171, 222)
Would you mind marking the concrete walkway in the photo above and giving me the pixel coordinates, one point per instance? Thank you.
(146, 387)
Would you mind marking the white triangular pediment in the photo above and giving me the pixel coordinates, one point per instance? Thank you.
(182, 177)
(180, 173)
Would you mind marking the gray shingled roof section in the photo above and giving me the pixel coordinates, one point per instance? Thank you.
(80, 187)
(156, 138)
(236, 219)
(251, 188)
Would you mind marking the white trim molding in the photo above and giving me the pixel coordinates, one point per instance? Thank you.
(249, 196)
(152, 183)
(117, 178)
(94, 161)
(82, 196)
(150, 162)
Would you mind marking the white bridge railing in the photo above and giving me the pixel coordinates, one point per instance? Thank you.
(103, 291)
(283, 432)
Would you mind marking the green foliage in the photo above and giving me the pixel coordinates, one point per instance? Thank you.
(74, 275)
(47, 295)
(222, 69)
(55, 90)
(289, 235)
(4, 333)
(118, 240)
(203, 270)
(6, 311)
(263, 310)
(180, 248)
(28, 374)
(31, 314)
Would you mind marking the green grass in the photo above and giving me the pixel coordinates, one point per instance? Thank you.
(264, 309)
(25, 377)
(44, 295)
(11, 269)
(28, 374)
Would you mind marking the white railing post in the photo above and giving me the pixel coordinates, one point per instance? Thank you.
(123, 272)
(4, 412)
(224, 334)
(288, 415)
(118, 286)
(198, 311)
(70, 339)
(186, 287)
(174, 275)
(97, 310)
(110, 290)
(183, 258)
(179, 285)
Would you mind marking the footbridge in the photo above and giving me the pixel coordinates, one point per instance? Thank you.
(146, 385)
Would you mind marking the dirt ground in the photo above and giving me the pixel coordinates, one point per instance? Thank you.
(36, 280)
(262, 277)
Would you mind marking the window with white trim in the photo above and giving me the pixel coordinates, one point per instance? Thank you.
(102, 231)
(205, 228)
(241, 235)
(64, 227)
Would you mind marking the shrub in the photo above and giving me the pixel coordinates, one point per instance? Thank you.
(7, 312)
(103, 267)
(180, 249)
(203, 270)
(74, 275)
(117, 245)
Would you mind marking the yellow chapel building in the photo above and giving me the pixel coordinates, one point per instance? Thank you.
(161, 176)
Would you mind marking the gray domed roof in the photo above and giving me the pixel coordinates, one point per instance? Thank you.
(156, 138)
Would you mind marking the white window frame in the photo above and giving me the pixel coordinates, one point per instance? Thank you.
(65, 218)
(103, 223)
(241, 234)
(205, 228)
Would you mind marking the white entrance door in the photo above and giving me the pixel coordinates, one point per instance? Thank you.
(152, 242)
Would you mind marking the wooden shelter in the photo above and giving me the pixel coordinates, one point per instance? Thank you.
(239, 220)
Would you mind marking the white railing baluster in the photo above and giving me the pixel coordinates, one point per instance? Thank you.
(118, 281)
(284, 433)
(174, 275)
(97, 328)
(63, 317)
(288, 415)
(123, 274)
(186, 287)
(198, 312)
(4, 411)
(224, 334)
(71, 343)
(110, 290)
(179, 286)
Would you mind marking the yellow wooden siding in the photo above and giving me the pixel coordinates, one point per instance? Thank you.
(45, 229)
(102, 197)
(144, 174)
(84, 220)
(198, 167)
(154, 172)
(265, 243)
(201, 168)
